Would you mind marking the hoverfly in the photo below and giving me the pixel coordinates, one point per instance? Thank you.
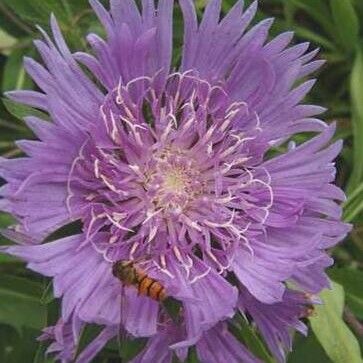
(130, 275)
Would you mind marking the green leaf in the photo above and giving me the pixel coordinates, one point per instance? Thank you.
(355, 209)
(352, 281)
(6, 220)
(14, 76)
(38, 11)
(243, 331)
(20, 302)
(8, 338)
(6, 42)
(8, 259)
(333, 334)
(17, 347)
(318, 10)
(346, 23)
(354, 204)
(20, 111)
(128, 349)
(307, 34)
(11, 24)
(47, 295)
(307, 349)
(41, 356)
(356, 90)
(172, 308)
(76, 7)
(192, 356)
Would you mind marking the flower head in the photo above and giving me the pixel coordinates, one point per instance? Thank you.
(176, 171)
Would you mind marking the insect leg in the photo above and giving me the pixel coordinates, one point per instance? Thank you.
(122, 333)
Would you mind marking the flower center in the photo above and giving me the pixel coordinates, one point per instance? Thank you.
(174, 182)
(173, 175)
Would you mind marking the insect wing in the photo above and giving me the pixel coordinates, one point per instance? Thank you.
(122, 333)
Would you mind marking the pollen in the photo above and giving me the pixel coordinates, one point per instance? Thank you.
(176, 181)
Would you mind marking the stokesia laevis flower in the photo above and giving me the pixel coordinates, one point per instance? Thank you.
(171, 167)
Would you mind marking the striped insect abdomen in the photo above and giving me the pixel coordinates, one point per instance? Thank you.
(150, 287)
(130, 275)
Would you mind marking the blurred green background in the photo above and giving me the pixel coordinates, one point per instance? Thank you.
(336, 26)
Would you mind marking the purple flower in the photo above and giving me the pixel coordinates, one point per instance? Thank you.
(276, 321)
(65, 336)
(187, 172)
(214, 346)
(63, 345)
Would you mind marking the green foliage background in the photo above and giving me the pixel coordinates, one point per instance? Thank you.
(336, 26)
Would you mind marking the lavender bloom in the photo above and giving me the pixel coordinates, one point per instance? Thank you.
(171, 169)
(65, 336)
(276, 321)
(63, 345)
(215, 346)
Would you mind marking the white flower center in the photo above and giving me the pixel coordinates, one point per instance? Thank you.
(174, 182)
